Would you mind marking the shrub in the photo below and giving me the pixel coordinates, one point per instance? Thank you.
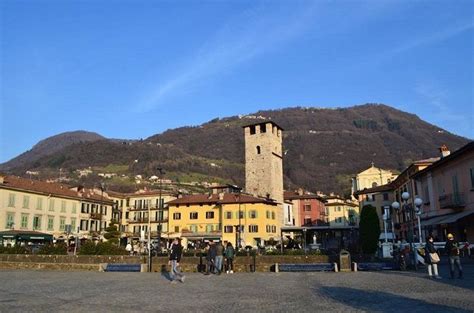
(57, 249)
(101, 248)
(13, 250)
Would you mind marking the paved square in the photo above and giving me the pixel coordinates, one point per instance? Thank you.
(48, 291)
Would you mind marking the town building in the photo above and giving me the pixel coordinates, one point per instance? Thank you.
(341, 212)
(53, 208)
(202, 217)
(308, 209)
(371, 177)
(380, 197)
(447, 190)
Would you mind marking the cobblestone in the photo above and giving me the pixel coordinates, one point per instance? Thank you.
(48, 291)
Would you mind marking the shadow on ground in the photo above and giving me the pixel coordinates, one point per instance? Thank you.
(383, 302)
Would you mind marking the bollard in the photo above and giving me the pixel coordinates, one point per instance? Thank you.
(336, 268)
(277, 270)
(355, 266)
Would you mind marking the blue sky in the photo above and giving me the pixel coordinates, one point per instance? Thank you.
(131, 69)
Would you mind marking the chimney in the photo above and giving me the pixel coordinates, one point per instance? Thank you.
(444, 151)
(221, 196)
(300, 191)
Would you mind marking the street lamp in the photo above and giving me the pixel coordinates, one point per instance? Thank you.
(418, 203)
(406, 208)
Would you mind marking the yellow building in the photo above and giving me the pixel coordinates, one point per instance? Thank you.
(341, 212)
(134, 209)
(53, 208)
(372, 177)
(216, 217)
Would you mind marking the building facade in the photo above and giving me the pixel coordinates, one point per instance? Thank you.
(341, 212)
(372, 177)
(308, 208)
(53, 208)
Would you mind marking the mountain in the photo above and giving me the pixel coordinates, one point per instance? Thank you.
(48, 147)
(323, 147)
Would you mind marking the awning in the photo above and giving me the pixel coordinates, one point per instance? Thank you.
(446, 219)
(456, 217)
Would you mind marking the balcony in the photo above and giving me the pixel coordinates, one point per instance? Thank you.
(95, 216)
(452, 201)
(144, 220)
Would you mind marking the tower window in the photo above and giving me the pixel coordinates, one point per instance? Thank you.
(258, 149)
(252, 130)
(263, 128)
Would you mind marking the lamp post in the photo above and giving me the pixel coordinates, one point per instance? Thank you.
(418, 203)
(406, 208)
(240, 224)
(160, 207)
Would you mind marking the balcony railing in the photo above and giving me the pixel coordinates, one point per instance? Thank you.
(145, 220)
(96, 216)
(452, 201)
(145, 208)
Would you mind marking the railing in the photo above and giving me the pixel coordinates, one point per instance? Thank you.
(145, 208)
(96, 216)
(145, 220)
(452, 201)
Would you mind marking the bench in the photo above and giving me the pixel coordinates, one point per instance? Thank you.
(114, 267)
(381, 266)
(310, 267)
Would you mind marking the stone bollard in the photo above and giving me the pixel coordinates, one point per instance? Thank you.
(277, 270)
(355, 266)
(335, 267)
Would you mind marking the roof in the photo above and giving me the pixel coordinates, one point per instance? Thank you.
(50, 189)
(263, 122)
(228, 198)
(292, 195)
(441, 161)
(380, 188)
(150, 193)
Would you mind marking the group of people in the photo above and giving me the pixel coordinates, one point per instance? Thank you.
(215, 258)
(451, 248)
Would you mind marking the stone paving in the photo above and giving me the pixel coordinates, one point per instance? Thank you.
(50, 291)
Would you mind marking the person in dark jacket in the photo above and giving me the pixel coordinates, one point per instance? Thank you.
(452, 249)
(229, 256)
(219, 257)
(430, 264)
(176, 251)
(211, 258)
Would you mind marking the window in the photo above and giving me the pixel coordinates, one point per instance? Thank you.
(268, 214)
(385, 196)
(228, 215)
(84, 225)
(338, 209)
(307, 221)
(472, 177)
(176, 216)
(274, 229)
(263, 128)
(252, 130)
(228, 229)
(74, 208)
(253, 228)
(373, 197)
(24, 221)
(240, 214)
(10, 220)
(307, 207)
(193, 215)
(62, 223)
(176, 229)
(37, 222)
(11, 200)
(209, 228)
(209, 214)
(253, 214)
(51, 204)
(50, 223)
(273, 215)
(73, 224)
(193, 228)
(39, 203)
(26, 202)
(258, 150)
(268, 228)
(63, 206)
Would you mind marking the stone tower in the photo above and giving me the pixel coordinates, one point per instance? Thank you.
(264, 160)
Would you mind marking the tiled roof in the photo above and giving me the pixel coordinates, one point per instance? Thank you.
(53, 189)
(227, 198)
(291, 195)
(381, 188)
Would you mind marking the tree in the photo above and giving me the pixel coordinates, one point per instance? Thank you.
(369, 229)
(112, 234)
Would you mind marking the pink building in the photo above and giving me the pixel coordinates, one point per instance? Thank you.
(447, 190)
(309, 209)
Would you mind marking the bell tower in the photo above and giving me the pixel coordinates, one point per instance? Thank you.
(264, 160)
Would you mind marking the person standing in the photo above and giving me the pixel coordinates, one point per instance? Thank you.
(452, 249)
(219, 257)
(229, 256)
(211, 258)
(431, 258)
(176, 252)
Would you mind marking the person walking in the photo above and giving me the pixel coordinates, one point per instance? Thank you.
(211, 258)
(452, 249)
(176, 252)
(229, 257)
(431, 258)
